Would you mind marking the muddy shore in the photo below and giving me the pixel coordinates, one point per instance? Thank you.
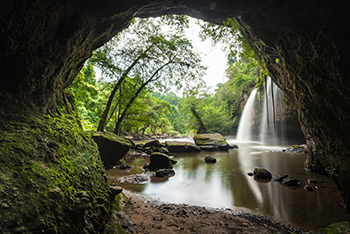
(143, 214)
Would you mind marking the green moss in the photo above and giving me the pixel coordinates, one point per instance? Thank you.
(342, 227)
(114, 224)
(44, 161)
(112, 137)
(210, 139)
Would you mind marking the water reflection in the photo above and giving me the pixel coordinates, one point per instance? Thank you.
(226, 185)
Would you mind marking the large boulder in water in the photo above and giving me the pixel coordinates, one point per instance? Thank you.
(211, 139)
(182, 147)
(262, 174)
(112, 147)
(159, 161)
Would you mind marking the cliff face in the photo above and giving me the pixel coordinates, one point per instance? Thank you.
(45, 43)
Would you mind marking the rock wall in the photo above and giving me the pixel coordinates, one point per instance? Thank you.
(44, 43)
(51, 177)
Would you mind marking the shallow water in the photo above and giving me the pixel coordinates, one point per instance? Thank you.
(227, 185)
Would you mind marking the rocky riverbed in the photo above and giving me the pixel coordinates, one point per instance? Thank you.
(143, 214)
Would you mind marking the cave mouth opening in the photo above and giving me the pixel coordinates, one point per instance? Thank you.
(45, 43)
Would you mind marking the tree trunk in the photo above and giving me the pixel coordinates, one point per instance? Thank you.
(103, 122)
(122, 116)
(202, 128)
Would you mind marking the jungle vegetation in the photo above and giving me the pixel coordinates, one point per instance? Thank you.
(145, 68)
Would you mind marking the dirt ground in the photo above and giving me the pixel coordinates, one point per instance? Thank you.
(144, 215)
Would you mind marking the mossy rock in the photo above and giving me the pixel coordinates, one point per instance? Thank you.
(159, 161)
(44, 162)
(182, 147)
(342, 227)
(154, 143)
(262, 174)
(211, 139)
(210, 159)
(112, 147)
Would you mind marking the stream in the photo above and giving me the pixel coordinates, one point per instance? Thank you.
(227, 185)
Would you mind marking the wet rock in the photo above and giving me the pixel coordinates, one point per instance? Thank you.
(163, 150)
(154, 143)
(280, 177)
(233, 147)
(137, 136)
(112, 147)
(296, 149)
(135, 152)
(291, 181)
(308, 188)
(211, 139)
(115, 190)
(314, 181)
(181, 147)
(134, 179)
(209, 148)
(210, 159)
(158, 161)
(262, 174)
(172, 161)
(165, 173)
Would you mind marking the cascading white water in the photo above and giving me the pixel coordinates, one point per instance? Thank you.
(245, 124)
(270, 131)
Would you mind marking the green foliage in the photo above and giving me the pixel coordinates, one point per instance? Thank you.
(148, 47)
(144, 55)
(88, 96)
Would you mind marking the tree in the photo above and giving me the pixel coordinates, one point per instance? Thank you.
(86, 92)
(160, 59)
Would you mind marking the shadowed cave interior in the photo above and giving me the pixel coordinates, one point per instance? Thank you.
(44, 44)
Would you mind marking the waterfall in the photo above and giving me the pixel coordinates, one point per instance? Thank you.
(245, 123)
(270, 131)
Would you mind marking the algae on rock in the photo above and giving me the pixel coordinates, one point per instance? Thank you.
(45, 164)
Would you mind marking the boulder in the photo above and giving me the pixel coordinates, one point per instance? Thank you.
(280, 177)
(262, 174)
(288, 180)
(165, 173)
(233, 147)
(112, 147)
(163, 150)
(138, 136)
(134, 179)
(210, 159)
(159, 161)
(296, 149)
(181, 147)
(314, 181)
(308, 188)
(154, 143)
(291, 181)
(211, 139)
(209, 148)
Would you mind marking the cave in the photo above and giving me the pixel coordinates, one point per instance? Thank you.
(44, 44)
